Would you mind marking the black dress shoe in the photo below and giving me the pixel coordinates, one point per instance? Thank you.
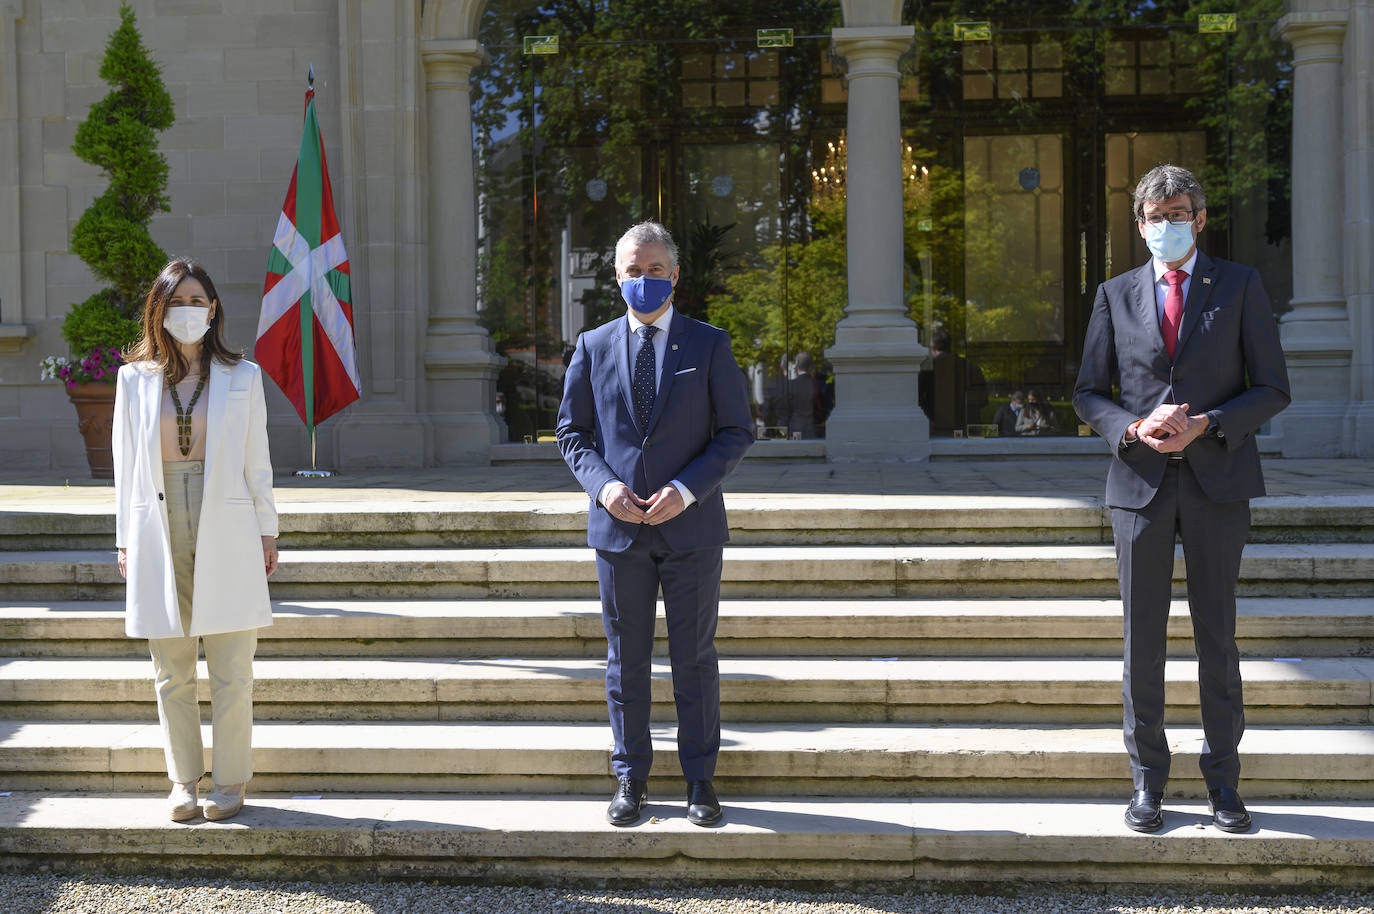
(1228, 812)
(702, 806)
(1144, 813)
(628, 803)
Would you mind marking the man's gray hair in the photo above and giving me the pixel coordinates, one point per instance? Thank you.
(648, 233)
(1165, 181)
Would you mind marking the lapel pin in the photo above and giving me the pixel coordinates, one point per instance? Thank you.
(675, 347)
(1206, 280)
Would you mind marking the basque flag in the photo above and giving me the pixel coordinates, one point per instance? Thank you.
(305, 333)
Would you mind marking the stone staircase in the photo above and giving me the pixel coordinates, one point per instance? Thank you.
(913, 687)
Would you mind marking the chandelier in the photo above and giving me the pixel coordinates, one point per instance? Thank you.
(827, 182)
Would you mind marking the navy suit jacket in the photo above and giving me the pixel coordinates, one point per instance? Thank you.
(1228, 363)
(700, 429)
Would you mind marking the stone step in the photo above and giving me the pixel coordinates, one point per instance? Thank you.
(1049, 690)
(1266, 627)
(776, 759)
(805, 518)
(519, 838)
(1281, 569)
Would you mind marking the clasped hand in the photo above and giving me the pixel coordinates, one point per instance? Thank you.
(1170, 429)
(663, 505)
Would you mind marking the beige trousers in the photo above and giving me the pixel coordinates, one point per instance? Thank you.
(228, 658)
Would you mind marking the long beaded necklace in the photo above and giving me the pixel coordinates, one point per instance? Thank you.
(184, 416)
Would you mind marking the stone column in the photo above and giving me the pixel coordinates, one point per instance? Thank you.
(379, 88)
(13, 331)
(460, 363)
(1359, 219)
(1316, 333)
(876, 355)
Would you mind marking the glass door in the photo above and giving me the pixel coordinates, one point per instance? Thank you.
(678, 118)
(1031, 135)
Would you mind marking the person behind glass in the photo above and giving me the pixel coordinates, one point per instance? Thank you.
(196, 527)
(801, 393)
(951, 389)
(1007, 414)
(1037, 417)
(825, 394)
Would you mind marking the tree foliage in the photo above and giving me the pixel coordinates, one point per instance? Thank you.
(1242, 96)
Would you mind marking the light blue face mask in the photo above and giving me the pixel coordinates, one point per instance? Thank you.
(645, 294)
(1168, 242)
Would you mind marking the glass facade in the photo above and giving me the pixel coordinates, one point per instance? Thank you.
(1022, 143)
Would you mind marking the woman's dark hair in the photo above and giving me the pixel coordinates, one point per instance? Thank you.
(157, 345)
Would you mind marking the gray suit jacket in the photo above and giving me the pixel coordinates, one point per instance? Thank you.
(1228, 363)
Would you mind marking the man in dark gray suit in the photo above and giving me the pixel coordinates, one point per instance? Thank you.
(1196, 349)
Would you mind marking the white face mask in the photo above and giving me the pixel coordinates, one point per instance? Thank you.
(1168, 242)
(187, 323)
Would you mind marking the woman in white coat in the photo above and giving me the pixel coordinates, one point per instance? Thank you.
(196, 526)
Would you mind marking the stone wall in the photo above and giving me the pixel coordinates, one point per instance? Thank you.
(236, 70)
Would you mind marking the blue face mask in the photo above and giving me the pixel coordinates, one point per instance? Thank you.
(1168, 242)
(646, 294)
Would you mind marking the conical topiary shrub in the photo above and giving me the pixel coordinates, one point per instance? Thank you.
(119, 136)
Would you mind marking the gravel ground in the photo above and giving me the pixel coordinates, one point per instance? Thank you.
(106, 895)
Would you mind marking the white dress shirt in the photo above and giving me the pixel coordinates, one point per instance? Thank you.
(1162, 284)
(660, 344)
(1161, 293)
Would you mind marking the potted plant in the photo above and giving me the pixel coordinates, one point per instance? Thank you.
(119, 136)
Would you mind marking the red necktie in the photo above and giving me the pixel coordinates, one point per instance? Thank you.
(1173, 309)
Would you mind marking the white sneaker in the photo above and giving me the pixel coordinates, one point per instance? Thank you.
(182, 803)
(224, 802)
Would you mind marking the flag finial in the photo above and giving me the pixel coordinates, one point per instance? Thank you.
(312, 76)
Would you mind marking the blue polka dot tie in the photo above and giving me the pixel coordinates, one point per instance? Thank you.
(643, 382)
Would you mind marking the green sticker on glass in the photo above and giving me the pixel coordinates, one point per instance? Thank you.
(541, 44)
(973, 31)
(774, 38)
(1216, 23)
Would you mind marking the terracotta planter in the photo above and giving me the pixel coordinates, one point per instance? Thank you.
(95, 418)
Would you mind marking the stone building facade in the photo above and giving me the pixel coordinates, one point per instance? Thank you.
(394, 93)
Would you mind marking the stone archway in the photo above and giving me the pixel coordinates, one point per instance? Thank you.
(450, 19)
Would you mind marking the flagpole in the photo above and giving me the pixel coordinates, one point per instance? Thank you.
(314, 472)
(307, 277)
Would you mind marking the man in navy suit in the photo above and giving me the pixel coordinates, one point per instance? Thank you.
(1195, 347)
(655, 415)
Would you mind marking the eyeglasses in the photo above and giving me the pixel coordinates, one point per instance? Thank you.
(1178, 218)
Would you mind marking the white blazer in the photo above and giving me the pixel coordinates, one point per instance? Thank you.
(230, 591)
